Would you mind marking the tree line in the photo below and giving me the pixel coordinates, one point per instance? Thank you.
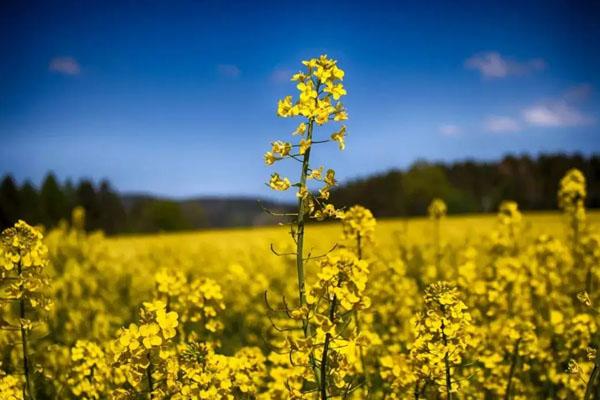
(466, 186)
(105, 209)
(470, 186)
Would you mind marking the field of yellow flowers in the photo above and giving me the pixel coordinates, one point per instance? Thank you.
(477, 307)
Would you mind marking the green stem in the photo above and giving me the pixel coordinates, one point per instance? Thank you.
(300, 246)
(590, 384)
(326, 350)
(27, 390)
(300, 232)
(593, 377)
(447, 365)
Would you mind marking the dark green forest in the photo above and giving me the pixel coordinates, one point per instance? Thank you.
(466, 186)
(471, 186)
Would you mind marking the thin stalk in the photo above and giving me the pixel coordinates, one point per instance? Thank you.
(300, 232)
(27, 389)
(513, 367)
(359, 245)
(447, 366)
(593, 377)
(300, 246)
(326, 350)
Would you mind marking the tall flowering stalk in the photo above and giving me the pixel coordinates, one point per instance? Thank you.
(318, 103)
(443, 333)
(23, 260)
(320, 86)
(510, 219)
(333, 299)
(571, 199)
(358, 225)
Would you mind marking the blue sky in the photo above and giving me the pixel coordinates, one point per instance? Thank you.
(179, 98)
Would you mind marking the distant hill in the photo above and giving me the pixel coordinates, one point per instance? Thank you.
(213, 212)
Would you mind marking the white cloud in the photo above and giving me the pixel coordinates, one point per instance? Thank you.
(65, 66)
(501, 124)
(493, 65)
(556, 114)
(281, 75)
(229, 71)
(450, 130)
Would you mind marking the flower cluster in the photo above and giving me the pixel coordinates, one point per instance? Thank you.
(442, 336)
(359, 224)
(198, 303)
(24, 289)
(141, 350)
(23, 261)
(11, 387)
(572, 194)
(320, 89)
(509, 214)
(331, 355)
(89, 373)
(509, 224)
(342, 277)
(437, 209)
(206, 375)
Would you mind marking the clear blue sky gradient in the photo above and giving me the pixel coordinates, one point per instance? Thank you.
(179, 98)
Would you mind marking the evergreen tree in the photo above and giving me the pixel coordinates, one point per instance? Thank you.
(53, 203)
(9, 202)
(87, 198)
(113, 216)
(29, 200)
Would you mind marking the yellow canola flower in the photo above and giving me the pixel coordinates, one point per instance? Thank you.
(167, 322)
(437, 209)
(339, 137)
(301, 129)
(336, 90)
(284, 107)
(129, 337)
(304, 145)
(150, 335)
(315, 174)
(281, 148)
(330, 178)
(276, 183)
(270, 158)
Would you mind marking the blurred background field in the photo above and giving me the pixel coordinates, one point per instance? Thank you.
(416, 230)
